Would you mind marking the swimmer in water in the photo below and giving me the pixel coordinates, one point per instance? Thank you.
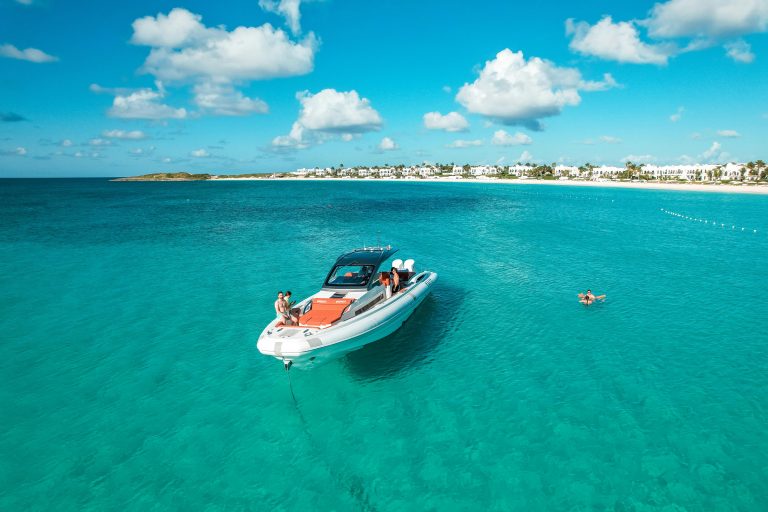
(588, 298)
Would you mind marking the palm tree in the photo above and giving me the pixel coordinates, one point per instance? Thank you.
(750, 167)
(760, 166)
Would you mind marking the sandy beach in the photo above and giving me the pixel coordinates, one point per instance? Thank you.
(680, 187)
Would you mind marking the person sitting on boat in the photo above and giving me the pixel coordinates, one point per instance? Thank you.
(283, 312)
(395, 280)
(384, 280)
(365, 274)
(588, 298)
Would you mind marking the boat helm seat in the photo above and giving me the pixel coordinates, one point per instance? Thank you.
(398, 264)
(408, 265)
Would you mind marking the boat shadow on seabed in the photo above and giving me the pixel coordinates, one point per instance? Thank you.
(411, 345)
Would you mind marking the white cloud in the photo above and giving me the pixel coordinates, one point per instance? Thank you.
(513, 90)
(178, 28)
(215, 60)
(226, 101)
(199, 153)
(609, 139)
(703, 22)
(144, 104)
(450, 122)
(334, 111)
(618, 41)
(447, 89)
(639, 159)
(460, 144)
(739, 51)
(66, 143)
(98, 89)
(502, 138)
(525, 156)
(289, 9)
(707, 18)
(99, 142)
(167, 160)
(142, 151)
(330, 113)
(20, 151)
(295, 139)
(713, 153)
(387, 144)
(728, 133)
(677, 115)
(184, 49)
(28, 54)
(122, 134)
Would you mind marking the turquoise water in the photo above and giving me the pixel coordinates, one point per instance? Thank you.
(130, 380)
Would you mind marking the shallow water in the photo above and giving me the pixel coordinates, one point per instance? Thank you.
(129, 314)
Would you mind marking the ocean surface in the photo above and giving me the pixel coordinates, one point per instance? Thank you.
(130, 380)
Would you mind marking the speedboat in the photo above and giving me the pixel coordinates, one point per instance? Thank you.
(353, 308)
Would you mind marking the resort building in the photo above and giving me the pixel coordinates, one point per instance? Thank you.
(684, 172)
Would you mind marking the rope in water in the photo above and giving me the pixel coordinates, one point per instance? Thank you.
(353, 486)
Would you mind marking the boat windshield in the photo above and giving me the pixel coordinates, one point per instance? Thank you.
(350, 275)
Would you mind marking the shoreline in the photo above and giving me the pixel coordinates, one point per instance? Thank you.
(682, 187)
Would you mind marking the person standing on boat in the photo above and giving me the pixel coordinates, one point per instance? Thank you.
(384, 280)
(294, 312)
(395, 280)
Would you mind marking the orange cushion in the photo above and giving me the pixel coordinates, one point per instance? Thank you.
(324, 312)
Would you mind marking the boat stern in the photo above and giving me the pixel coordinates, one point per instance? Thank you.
(288, 343)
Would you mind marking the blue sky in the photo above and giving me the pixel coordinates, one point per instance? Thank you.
(108, 89)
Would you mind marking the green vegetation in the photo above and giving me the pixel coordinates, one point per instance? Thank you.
(251, 175)
(167, 176)
(750, 173)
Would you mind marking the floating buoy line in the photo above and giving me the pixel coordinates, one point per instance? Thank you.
(714, 223)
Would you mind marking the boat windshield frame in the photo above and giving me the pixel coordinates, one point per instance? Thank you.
(366, 259)
(358, 276)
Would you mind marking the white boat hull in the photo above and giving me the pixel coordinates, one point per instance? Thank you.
(303, 346)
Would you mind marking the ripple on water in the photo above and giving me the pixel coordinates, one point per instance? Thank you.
(131, 381)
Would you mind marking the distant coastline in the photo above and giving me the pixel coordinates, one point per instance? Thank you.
(686, 186)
